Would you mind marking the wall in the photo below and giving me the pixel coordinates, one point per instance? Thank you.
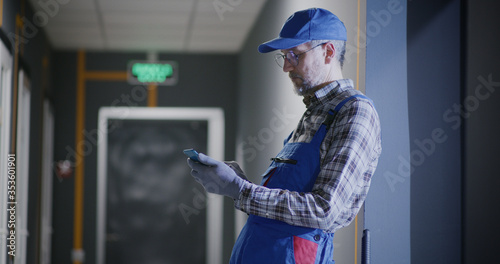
(268, 108)
(255, 91)
(34, 53)
(480, 111)
(204, 81)
(387, 207)
(452, 47)
(434, 86)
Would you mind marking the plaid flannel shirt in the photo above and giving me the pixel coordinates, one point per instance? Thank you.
(349, 156)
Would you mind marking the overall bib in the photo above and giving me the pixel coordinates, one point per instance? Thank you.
(264, 240)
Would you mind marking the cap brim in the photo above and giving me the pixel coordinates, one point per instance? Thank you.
(280, 44)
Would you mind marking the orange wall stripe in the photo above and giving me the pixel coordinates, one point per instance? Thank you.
(19, 24)
(105, 76)
(1, 13)
(356, 240)
(153, 95)
(82, 76)
(23, 14)
(79, 162)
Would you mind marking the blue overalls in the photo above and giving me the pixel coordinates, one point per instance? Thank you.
(264, 240)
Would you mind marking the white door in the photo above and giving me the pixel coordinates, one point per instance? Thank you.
(5, 113)
(22, 166)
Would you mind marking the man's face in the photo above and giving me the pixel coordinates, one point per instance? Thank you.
(309, 72)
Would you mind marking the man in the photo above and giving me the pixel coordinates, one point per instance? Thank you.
(320, 179)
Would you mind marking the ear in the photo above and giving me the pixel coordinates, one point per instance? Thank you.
(330, 52)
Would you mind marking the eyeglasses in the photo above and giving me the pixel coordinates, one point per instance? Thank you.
(291, 57)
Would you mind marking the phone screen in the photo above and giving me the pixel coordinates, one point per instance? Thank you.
(192, 154)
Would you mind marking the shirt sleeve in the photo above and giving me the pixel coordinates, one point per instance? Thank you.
(342, 185)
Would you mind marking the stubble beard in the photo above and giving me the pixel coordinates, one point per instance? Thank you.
(304, 88)
(308, 84)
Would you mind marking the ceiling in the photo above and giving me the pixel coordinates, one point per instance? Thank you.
(191, 26)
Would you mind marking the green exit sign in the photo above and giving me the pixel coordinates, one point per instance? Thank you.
(160, 72)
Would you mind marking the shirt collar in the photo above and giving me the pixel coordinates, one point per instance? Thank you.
(321, 95)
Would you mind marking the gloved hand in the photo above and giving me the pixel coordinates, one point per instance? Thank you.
(234, 165)
(216, 177)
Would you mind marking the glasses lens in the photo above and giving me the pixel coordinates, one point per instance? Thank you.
(292, 58)
(280, 60)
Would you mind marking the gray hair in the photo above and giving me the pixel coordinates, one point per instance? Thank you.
(339, 46)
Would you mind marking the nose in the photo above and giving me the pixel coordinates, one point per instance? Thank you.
(287, 66)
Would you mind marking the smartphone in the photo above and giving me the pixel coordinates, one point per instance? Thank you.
(192, 154)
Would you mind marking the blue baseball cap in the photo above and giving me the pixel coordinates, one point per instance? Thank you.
(304, 26)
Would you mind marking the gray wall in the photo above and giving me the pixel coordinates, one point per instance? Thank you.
(481, 107)
(268, 108)
(387, 208)
(434, 86)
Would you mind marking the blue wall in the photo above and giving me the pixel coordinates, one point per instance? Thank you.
(387, 208)
(413, 75)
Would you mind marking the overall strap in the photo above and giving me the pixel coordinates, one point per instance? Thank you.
(327, 123)
(332, 113)
(288, 138)
(330, 117)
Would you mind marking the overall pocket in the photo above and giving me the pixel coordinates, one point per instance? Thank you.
(304, 250)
